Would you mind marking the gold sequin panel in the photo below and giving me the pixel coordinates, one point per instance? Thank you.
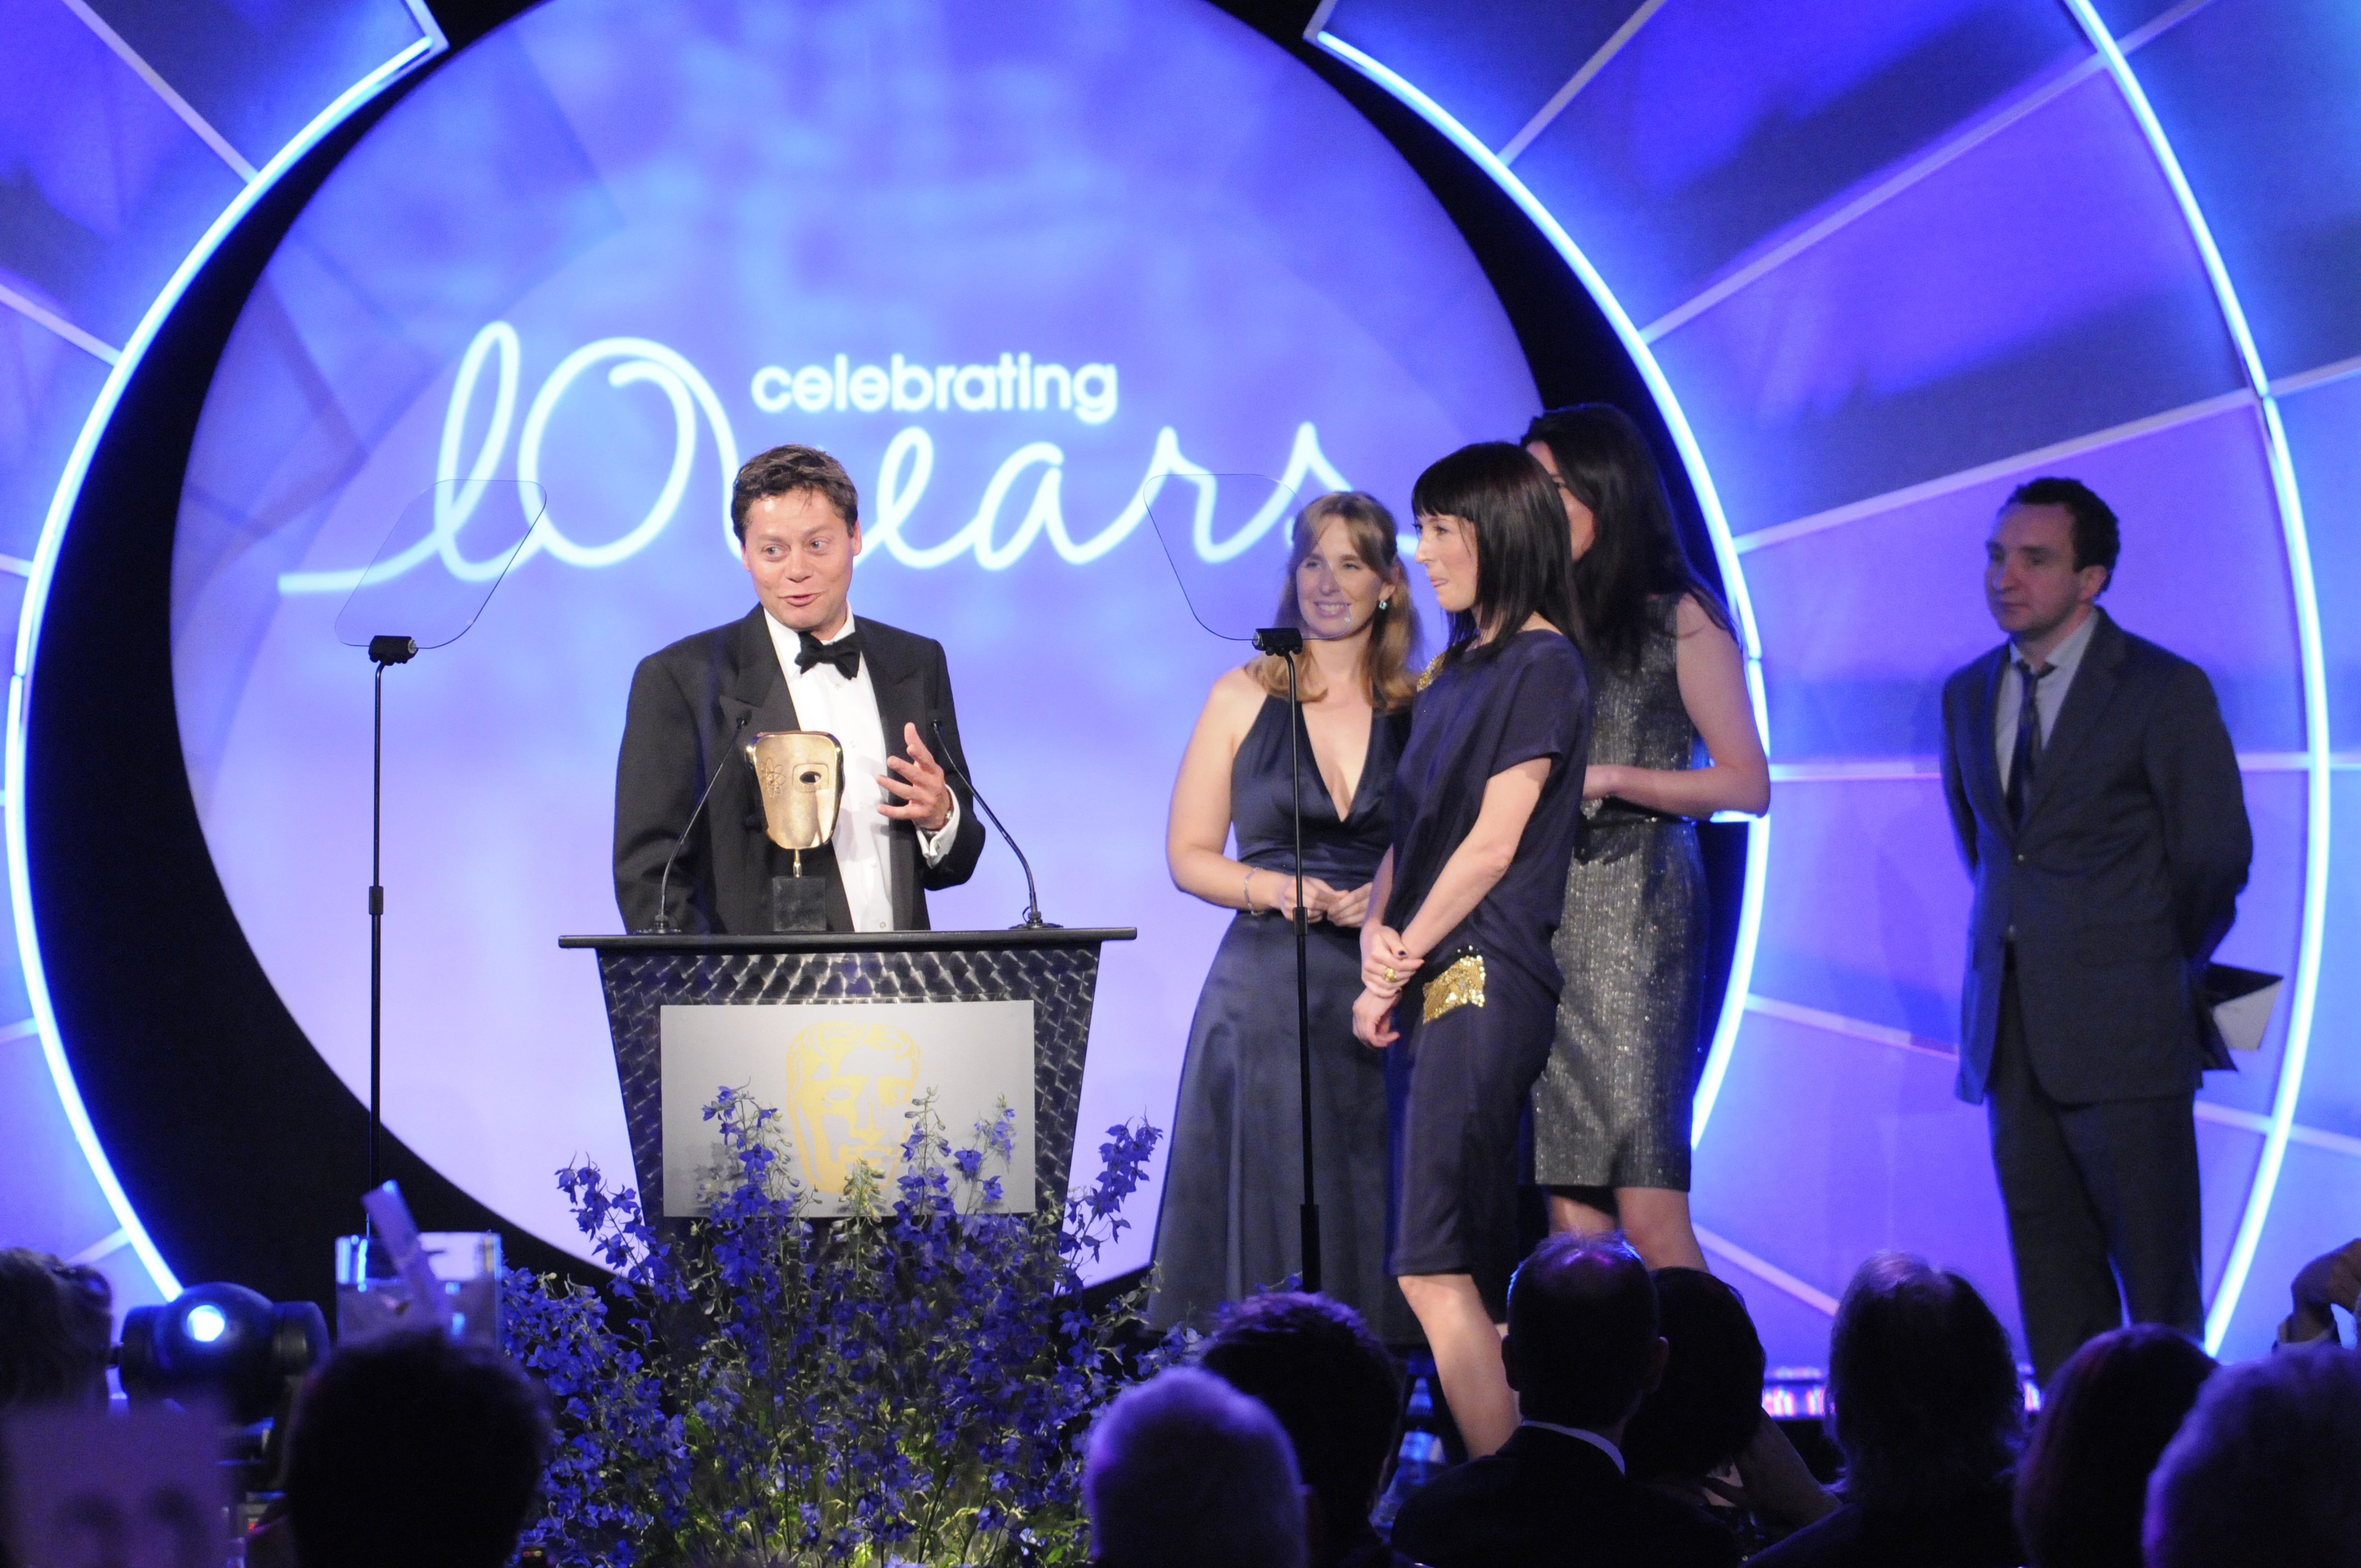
(1461, 985)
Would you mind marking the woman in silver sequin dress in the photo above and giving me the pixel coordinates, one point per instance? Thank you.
(1611, 1112)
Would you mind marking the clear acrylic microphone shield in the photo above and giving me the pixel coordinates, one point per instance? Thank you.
(1226, 538)
(441, 560)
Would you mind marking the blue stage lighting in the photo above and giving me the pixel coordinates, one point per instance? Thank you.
(2311, 664)
(1717, 527)
(221, 1342)
(205, 1323)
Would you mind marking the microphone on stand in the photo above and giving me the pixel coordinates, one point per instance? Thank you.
(664, 925)
(1033, 920)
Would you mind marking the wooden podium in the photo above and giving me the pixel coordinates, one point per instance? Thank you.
(1054, 968)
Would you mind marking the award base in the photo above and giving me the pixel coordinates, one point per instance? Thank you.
(799, 903)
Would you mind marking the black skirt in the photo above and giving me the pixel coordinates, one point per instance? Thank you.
(1458, 1087)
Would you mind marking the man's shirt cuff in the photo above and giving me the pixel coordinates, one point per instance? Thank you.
(938, 844)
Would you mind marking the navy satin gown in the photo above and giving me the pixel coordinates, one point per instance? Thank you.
(1229, 1224)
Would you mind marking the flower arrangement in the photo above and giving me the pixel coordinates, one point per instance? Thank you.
(909, 1385)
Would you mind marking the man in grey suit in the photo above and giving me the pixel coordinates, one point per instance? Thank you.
(2098, 806)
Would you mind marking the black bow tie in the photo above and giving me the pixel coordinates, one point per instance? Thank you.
(844, 653)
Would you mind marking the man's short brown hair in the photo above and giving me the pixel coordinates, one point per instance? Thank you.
(782, 471)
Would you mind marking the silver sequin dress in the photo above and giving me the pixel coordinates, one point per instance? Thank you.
(1612, 1107)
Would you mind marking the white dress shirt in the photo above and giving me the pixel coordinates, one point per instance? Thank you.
(848, 709)
(2049, 696)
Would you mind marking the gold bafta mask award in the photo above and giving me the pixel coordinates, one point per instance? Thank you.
(801, 776)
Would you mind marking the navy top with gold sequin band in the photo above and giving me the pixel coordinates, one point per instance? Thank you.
(1476, 718)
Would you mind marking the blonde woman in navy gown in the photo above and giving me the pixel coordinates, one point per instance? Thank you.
(1611, 1115)
(1234, 1182)
(1459, 982)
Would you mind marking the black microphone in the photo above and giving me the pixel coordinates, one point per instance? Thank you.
(664, 925)
(1033, 920)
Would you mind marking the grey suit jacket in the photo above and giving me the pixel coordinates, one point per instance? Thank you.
(694, 707)
(2122, 881)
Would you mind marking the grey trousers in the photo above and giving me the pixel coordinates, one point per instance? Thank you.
(2096, 1194)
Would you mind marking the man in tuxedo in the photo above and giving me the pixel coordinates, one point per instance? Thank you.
(2098, 804)
(798, 661)
(1583, 1347)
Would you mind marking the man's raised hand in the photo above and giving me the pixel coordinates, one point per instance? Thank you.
(923, 796)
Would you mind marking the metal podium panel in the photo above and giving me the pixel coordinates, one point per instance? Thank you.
(1055, 971)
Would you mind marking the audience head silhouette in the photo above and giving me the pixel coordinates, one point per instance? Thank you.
(2105, 1417)
(57, 1321)
(1582, 1349)
(2262, 1469)
(1333, 1386)
(1928, 1408)
(1184, 1471)
(1709, 1403)
(1583, 1343)
(410, 1448)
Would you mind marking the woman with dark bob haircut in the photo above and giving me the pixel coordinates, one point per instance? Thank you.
(1488, 800)
(1929, 1414)
(2105, 1418)
(1611, 1114)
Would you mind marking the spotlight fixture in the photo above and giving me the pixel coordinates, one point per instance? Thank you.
(223, 1341)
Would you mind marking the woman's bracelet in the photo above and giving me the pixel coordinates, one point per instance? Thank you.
(1246, 891)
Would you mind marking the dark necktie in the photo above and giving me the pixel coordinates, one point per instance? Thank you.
(844, 653)
(2027, 755)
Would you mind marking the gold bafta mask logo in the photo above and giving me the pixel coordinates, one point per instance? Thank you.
(848, 1087)
(801, 776)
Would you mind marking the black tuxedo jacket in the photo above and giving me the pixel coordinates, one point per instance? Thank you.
(1547, 1500)
(695, 707)
(2122, 881)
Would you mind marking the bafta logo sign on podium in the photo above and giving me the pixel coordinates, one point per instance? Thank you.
(846, 1078)
(849, 1093)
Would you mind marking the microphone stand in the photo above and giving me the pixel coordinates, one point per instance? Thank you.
(1287, 643)
(662, 925)
(383, 651)
(436, 620)
(1033, 921)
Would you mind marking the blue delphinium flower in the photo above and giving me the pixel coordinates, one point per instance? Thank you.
(911, 1383)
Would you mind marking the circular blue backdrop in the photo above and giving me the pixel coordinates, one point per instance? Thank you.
(1011, 262)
